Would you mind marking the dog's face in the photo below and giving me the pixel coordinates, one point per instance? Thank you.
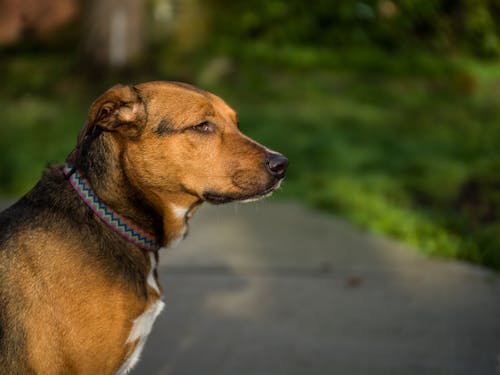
(175, 138)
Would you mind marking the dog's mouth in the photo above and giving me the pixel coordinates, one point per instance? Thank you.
(218, 198)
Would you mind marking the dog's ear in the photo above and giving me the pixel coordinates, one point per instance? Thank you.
(119, 109)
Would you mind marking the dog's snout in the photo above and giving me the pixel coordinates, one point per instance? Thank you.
(277, 164)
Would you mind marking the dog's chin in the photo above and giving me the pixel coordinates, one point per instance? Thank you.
(218, 198)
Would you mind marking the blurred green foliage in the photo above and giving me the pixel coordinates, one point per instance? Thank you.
(443, 26)
(388, 119)
(395, 155)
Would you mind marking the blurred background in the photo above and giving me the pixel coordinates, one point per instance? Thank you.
(387, 109)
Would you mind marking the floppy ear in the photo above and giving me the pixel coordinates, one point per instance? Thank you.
(119, 109)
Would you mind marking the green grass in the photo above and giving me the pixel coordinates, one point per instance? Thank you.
(392, 149)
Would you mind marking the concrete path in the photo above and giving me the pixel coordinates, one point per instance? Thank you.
(276, 289)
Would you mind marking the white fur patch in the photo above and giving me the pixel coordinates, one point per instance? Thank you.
(143, 323)
(151, 278)
(175, 241)
(263, 196)
(249, 200)
(141, 329)
(179, 212)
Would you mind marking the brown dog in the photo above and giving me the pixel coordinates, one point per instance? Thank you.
(78, 253)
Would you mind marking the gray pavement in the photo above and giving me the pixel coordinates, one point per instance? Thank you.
(274, 288)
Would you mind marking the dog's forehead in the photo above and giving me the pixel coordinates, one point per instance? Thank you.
(181, 102)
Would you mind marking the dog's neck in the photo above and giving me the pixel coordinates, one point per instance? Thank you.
(100, 161)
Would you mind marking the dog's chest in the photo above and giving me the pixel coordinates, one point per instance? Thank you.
(143, 324)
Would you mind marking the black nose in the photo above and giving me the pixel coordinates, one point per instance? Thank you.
(277, 164)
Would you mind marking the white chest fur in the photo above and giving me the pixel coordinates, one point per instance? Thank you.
(142, 324)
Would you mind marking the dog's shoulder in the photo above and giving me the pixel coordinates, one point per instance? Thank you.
(48, 200)
(53, 215)
(53, 247)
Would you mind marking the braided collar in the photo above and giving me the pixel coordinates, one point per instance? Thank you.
(124, 227)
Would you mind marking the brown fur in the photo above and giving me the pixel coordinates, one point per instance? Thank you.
(70, 287)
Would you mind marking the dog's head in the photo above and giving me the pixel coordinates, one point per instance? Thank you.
(174, 138)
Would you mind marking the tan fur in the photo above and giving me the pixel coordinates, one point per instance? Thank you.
(230, 153)
(76, 315)
(87, 344)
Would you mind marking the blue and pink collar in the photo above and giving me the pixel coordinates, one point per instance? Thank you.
(124, 227)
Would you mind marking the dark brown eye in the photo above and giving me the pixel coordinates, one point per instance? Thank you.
(203, 128)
